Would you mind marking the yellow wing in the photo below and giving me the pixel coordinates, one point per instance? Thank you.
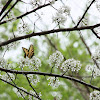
(31, 51)
(26, 51)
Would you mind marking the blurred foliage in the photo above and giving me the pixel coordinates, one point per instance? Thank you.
(68, 90)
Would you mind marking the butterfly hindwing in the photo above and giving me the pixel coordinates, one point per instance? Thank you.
(31, 52)
(26, 51)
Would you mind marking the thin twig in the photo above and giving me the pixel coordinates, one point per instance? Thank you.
(15, 85)
(23, 15)
(85, 13)
(18, 88)
(32, 87)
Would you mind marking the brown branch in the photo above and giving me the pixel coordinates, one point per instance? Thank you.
(83, 92)
(88, 50)
(32, 86)
(51, 43)
(47, 32)
(25, 13)
(95, 33)
(85, 13)
(5, 7)
(9, 10)
(52, 75)
(18, 88)
(15, 85)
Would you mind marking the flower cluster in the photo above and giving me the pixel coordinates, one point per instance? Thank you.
(19, 92)
(71, 64)
(52, 1)
(55, 59)
(95, 71)
(98, 5)
(96, 55)
(32, 92)
(34, 79)
(5, 64)
(56, 95)
(35, 3)
(84, 21)
(64, 10)
(11, 45)
(34, 63)
(61, 16)
(10, 15)
(54, 82)
(95, 95)
(23, 27)
(8, 78)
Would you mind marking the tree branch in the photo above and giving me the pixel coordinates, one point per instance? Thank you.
(85, 13)
(18, 88)
(52, 75)
(9, 10)
(25, 13)
(95, 33)
(47, 32)
(32, 86)
(5, 7)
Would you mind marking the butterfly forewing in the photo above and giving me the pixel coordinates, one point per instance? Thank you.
(26, 51)
(31, 52)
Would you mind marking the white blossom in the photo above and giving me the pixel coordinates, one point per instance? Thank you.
(93, 68)
(57, 95)
(56, 59)
(71, 64)
(34, 63)
(98, 5)
(33, 98)
(8, 78)
(35, 3)
(96, 55)
(11, 66)
(89, 67)
(3, 62)
(34, 79)
(21, 92)
(23, 62)
(95, 95)
(23, 27)
(97, 31)
(10, 15)
(11, 45)
(54, 82)
(52, 1)
(59, 18)
(64, 10)
(84, 21)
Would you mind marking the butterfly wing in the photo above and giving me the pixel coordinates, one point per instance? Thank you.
(26, 51)
(31, 51)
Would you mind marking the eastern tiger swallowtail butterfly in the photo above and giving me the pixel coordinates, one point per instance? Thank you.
(29, 53)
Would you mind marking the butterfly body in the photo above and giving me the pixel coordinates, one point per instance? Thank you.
(28, 53)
